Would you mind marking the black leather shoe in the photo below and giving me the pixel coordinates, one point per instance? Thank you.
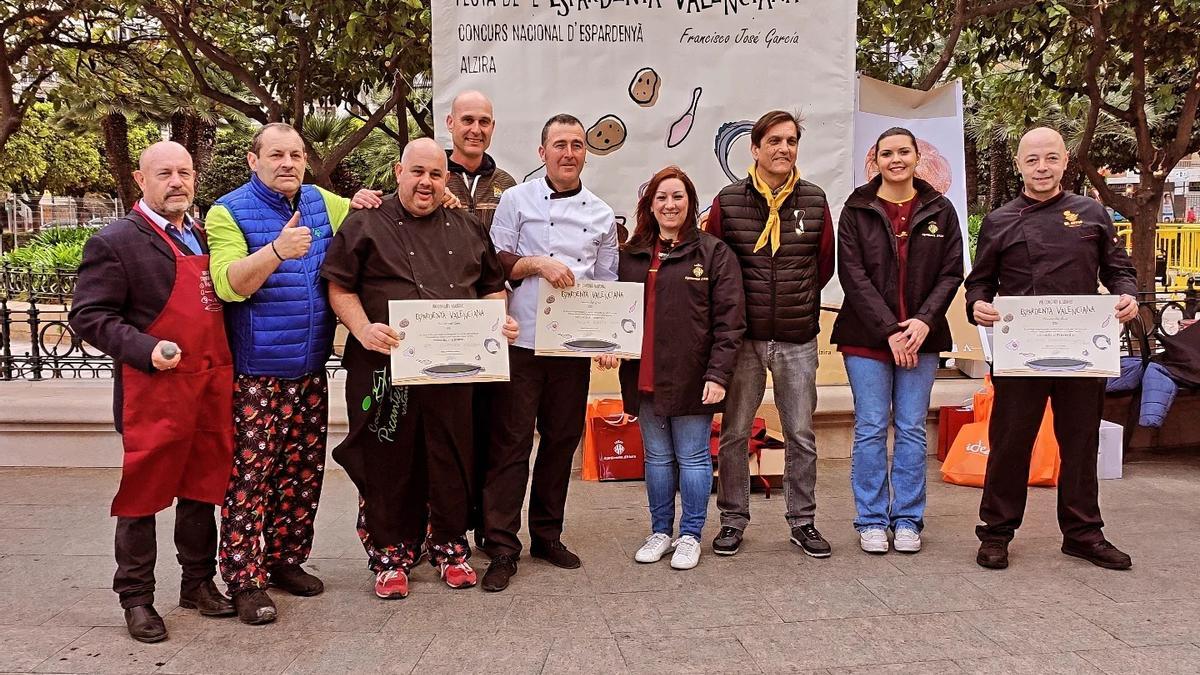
(207, 600)
(808, 538)
(294, 580)
(255, 607)
(993, 555)
(555, 553)
(144, 624)
(1101, 554)
(499, 571)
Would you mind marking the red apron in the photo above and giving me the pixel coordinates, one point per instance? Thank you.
(178, 424)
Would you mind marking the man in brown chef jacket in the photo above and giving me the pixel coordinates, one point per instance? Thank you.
(146, 299)
(409, 449)
(1046, 242)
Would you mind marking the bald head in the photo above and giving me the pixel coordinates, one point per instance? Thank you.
(167, 180)
(421, 176)
(1042, 159)
(163, 151)
(471, 124)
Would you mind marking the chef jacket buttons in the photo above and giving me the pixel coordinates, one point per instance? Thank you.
(412, 252)
(450, 252)
(451, 285)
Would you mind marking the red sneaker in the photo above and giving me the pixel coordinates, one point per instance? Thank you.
(458, 576)
(391, 584)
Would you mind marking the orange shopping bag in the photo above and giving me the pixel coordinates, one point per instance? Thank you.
(966, 463)
(599, 408)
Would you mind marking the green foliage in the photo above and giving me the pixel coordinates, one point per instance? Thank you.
(52, 158)
(974, 222)
(228, 169)
(56, 249)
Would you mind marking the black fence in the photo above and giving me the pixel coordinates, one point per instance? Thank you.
(37, 343)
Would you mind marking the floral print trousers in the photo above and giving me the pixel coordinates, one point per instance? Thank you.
(278, 466)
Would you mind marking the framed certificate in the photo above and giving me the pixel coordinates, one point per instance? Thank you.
(1057, 336)
(448, 341)
(589, 319)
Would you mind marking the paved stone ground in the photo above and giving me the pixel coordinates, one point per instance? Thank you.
(768, 609)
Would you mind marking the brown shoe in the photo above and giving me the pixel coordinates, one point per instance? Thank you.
(294, 580)
(255, 607)
(993, 555)
(207, 600)
(144, 624)
(1102, 554)
(555, 553)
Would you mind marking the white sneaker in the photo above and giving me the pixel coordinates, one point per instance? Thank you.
(654, 549)
(873, 540)
(907, 540)
(687, 552)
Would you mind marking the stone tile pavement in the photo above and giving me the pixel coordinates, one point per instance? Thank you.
(768, 609)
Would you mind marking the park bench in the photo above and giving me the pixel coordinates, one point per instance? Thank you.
(1160, 315)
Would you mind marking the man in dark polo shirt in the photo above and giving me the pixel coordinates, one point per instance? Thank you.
(1046, 242)
(409, 449)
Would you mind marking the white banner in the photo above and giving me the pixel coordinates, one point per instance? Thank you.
(655, 82)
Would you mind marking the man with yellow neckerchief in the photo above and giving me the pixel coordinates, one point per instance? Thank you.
(779, 226)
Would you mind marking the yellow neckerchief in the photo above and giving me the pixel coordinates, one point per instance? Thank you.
(774, 201)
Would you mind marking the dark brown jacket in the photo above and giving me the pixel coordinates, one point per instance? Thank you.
(699, 319)
(125, 280)
(783, 291)
(479, 192)
(867, 269)
(1066, 245)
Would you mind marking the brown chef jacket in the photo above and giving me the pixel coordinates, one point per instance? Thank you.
(1066, 245)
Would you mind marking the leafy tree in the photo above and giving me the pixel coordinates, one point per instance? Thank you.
(34, 33)
(54, 159)
(279, 61)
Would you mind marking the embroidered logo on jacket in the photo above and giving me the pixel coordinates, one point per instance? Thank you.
(932, 230)
(1071, 219)
(697, 273)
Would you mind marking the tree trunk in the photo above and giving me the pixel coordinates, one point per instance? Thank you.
(1072, 180)
(972, 178)
(998, 163)
(401, 126)
(1144, 222)
(115, 130)
(204, 142)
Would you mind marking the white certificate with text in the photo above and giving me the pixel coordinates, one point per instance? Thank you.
(589, 319)
(448, 341)
(1057, 336)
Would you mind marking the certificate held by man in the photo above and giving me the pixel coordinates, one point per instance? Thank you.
(448, 341)
(589, 319)
(1057, 336)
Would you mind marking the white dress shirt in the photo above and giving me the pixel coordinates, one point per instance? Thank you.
(575, 227)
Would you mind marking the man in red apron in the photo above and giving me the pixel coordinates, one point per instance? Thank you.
(145, 298)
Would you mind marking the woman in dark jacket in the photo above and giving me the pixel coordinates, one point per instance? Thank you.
(694, 322)
(900, 262)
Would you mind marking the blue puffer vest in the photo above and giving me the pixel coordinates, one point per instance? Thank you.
(285, 329)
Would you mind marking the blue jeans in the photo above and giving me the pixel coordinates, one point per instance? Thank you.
(882, 390)
(677, 454)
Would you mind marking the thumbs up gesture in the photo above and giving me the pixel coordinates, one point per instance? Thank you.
(294, 240)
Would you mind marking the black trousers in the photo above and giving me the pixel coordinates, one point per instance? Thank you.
(137, 551)
(548, 393)
(1017, 413)
(481, 423)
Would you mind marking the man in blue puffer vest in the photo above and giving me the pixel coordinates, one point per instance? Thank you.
(268, 239)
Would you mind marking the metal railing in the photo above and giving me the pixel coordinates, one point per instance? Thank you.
(1177, 247)
(37, 343)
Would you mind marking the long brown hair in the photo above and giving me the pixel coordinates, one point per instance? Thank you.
(646, 233)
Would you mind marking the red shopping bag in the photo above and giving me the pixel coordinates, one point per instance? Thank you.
(619, 451)
(951, 418)
(599, 408)
(966, 462)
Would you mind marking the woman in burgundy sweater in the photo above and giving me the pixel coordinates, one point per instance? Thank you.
(694, 322)
(900, 262)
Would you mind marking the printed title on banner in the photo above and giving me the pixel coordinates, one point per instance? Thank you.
(654, 83)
